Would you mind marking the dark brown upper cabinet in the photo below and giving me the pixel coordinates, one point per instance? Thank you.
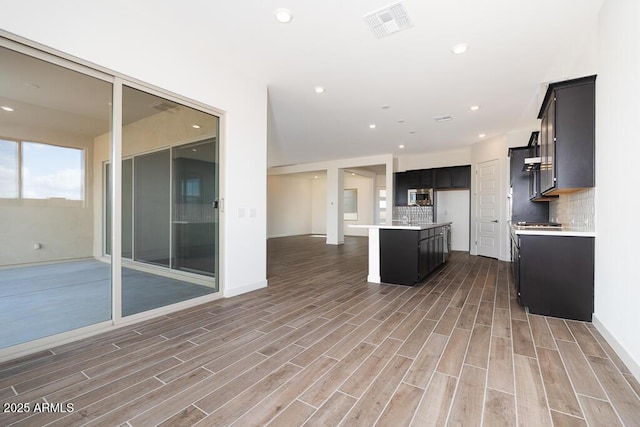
(567, 136)
(455, 177)
(449, 178)
(426, 178)
(400, 189)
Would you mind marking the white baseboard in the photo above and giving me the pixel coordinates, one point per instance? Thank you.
(244, 289)
(279, 235)
(373, 279)
(628, 359)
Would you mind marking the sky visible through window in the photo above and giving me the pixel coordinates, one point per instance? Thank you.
(8, 169)
(48, 171)
(51, 171)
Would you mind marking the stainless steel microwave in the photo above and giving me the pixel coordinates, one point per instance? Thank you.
(420, 197)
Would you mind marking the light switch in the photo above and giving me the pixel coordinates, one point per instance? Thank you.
(241, 212)
(252, 212)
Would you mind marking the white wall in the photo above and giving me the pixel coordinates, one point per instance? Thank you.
(298, 204)
(88, 30)
(319, 187)
(456, 157)
(289, 205)
(365, 187)
(319, 205)
(617, 292)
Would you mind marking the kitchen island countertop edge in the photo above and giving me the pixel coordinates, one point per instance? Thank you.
(417, 226)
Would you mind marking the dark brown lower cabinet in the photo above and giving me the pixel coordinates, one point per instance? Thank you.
(553, 275)
(408, 256)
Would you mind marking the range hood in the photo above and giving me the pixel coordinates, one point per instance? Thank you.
(531, 163)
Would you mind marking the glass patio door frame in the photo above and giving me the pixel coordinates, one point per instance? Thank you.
(52, 56)
(68, 62)
(116, 194)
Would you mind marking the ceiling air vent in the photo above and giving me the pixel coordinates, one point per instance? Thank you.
(388, 20)
(165, 106)
(441, 119)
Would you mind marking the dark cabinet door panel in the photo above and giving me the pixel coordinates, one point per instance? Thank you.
(400, 190)
(426, 178)
(575, 134)
(442, 178)
(413, 178)
(555, 274)
(461, 177)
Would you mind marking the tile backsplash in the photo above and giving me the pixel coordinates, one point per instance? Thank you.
(575, 210)
(413, 213)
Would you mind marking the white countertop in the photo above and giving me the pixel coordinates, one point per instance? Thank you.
(566, 231)
(414, 226)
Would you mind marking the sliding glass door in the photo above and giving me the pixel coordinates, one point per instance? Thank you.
(169, 202)
(65, 206)
(54, 122)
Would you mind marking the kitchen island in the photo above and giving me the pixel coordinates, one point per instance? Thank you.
(405, 254)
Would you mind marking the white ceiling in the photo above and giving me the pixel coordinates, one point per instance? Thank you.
(514, 47)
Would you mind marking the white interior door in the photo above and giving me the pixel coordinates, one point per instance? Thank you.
(487, 209)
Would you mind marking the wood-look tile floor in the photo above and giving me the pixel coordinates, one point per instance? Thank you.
(320, 346)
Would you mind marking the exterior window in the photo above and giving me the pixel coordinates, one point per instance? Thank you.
(8, 169)
(49, 171)
(192, 189)
(351, 204)
(45, 171)
(382, 205)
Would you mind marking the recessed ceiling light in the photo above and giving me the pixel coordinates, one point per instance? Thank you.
(412, 132)
(400, 121)
(6, 108)
(283, 16)
(386, 107)
(441, 119)
(32, 85)
(401, 146)
(474, 107)
(460, 48)
(194, 149)
(372, 126)
(315, 177)
(319, 89)
(482, 135)
(353, 173)
(195, 126)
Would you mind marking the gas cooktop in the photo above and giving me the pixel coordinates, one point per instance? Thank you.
(547, 225)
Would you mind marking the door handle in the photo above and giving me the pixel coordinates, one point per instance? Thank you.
(495, 220)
